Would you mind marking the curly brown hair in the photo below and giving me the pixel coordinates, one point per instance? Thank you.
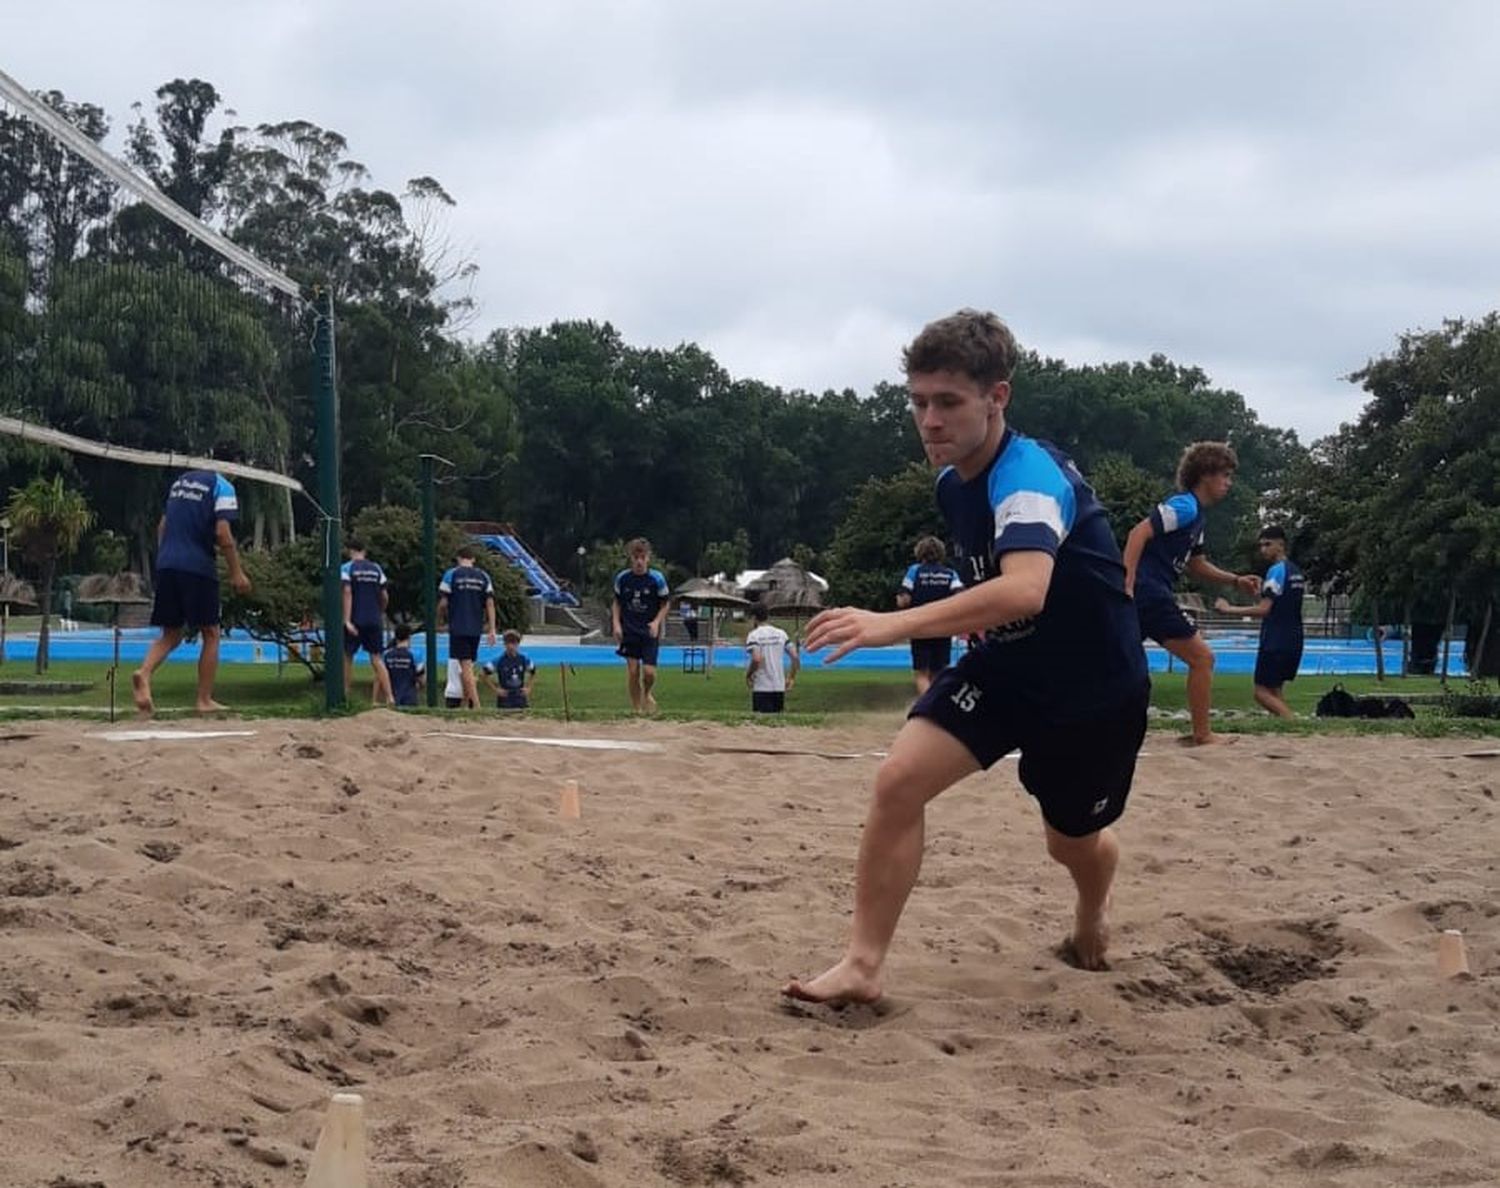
(930, 551)
(1202, 459)
(971, 342)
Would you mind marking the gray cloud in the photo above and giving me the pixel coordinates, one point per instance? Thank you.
(1271, 191)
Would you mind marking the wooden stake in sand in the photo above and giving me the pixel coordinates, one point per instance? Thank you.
(570, 805)
(339, 1159)
(1452, 958)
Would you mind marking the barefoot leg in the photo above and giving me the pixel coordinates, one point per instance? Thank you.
(924, 760)
(140, 679)
(1091, 861)
(1199, 658)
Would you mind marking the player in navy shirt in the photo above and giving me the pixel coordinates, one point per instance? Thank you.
(640, 606)
(365, 599)
(511, 675)
(199, 517)
(1057, 674)
(404, 673)
(1280, 613)
(927, 581)
(467, 596)
(1168, 543)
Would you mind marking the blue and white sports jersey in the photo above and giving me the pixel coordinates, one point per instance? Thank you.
(1177, 524)
(1281, 630)
(468, 589)
(510, 672)
(365, 580)
(1083, 651)
(404, 670)
(640, 596)
(929, 583)
(197, 502)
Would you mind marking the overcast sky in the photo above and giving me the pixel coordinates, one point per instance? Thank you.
(1271, 190)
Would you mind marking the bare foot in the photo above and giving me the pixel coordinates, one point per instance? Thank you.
(1089, 942)
(650, 704)
(140, 690)
(839, 986)
(1208, 740)
(211, 707)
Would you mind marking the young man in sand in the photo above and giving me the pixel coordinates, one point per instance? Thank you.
(1165, 544)
(365, 600)
(928, 581)
(766, 671)
(199, 516)
(1280, 613)
(467, 597)
(639, 609)
(1058, 673)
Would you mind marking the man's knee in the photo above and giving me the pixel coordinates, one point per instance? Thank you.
(1071, 850)
(899, 784)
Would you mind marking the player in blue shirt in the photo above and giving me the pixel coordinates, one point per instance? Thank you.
(511, 675)
(1280, 613)
(199, 517)
(640, 607)
(1168, 543)
(402, 669)
(1058, 673)
(365, 599)
(467, 597)
(928, 581)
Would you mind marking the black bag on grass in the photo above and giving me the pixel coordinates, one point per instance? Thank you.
(1338, 702)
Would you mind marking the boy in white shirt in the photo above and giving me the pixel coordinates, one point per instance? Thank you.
(766, 675)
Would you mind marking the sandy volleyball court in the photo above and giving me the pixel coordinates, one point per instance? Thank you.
(201, 940)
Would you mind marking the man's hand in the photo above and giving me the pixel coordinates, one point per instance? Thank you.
(1249, 583)
(1224, 606)
(350, 628)
(651, 628)
(240, 582)
(491, 638)
(845, 628)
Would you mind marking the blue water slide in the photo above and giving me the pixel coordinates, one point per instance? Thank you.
(538, 581)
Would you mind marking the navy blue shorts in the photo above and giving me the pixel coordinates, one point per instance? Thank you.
(931, 655)
(1274, 669)
(1079, 770)
(463, 647)
(185, 600)
(372, 639)
(1162, 619)
(767, 703)
(639, 646)
(513, 700)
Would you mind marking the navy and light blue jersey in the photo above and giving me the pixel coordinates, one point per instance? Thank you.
(1281, 630)
(365, 580)
(404, 670)
(640, 596)
(510, 672)
(197, 502)
(1177, 525)
(928, 583)
(468, 588)
(1083, 651)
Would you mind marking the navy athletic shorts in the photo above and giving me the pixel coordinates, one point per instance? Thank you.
(639, 646)
(463, 647)
(1162, 619)
(1079, 770)
(185, 600)
(1274, 669)
(931, 655)
(372, 639)
(767, 703)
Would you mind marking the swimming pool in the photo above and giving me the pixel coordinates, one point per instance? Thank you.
(1235, 653)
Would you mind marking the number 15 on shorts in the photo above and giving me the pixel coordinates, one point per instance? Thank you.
(966, 698)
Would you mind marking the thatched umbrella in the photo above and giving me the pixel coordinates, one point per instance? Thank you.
(789, 588)
(117, 590)
(13, 592)
(705, 592)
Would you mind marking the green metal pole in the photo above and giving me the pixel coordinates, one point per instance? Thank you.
(429, 579)
(326, 394)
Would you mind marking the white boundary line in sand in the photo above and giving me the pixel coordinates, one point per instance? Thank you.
(170, 735)
(582, 744)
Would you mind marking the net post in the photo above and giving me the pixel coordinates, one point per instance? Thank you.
(326, 400)
(429, 578)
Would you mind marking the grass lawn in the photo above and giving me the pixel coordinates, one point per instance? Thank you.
(821, 695)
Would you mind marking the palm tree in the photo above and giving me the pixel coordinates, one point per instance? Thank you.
(49, 521)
